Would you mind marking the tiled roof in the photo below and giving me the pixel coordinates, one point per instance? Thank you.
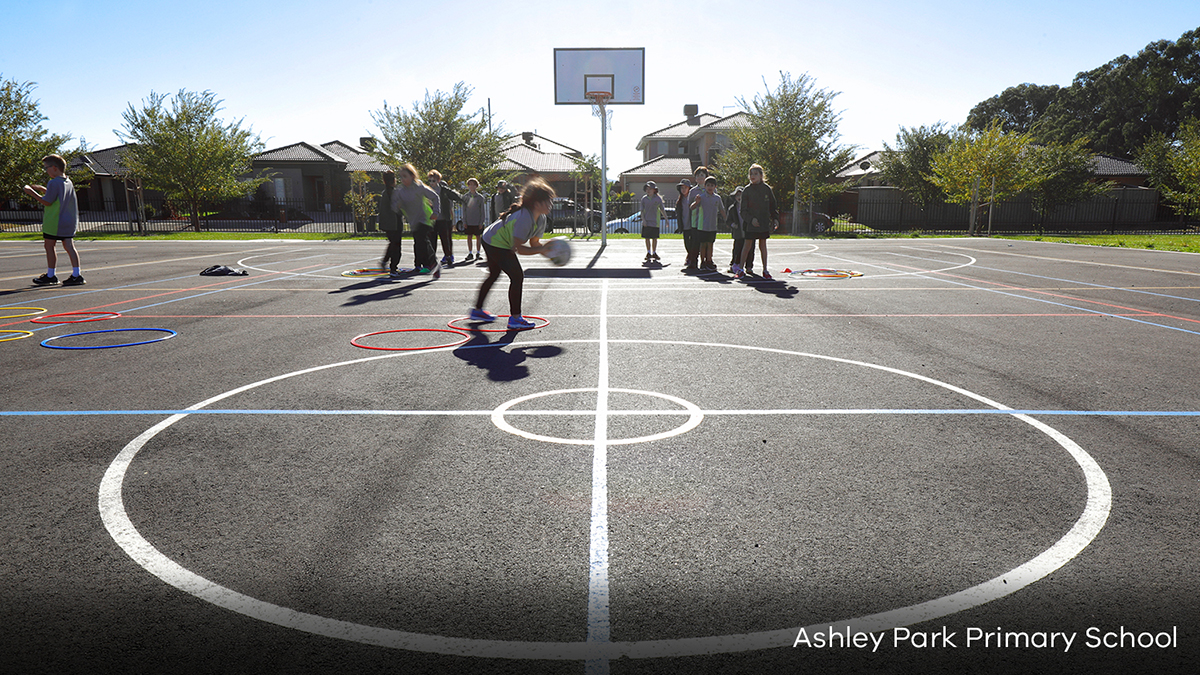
(1106, 165)
(544, 144)
(661, 166)
(855, 169)
(533, 159)
(356, 160)
(678, 131)
(106, 162)
(298, 152)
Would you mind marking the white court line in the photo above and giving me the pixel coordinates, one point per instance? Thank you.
(124, 533)
(598, 625)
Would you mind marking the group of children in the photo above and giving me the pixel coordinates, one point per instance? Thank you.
(751, 217)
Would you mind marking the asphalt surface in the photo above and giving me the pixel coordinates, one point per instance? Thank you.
(977, 456)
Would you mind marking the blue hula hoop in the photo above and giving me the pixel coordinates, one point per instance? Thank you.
(111, 330)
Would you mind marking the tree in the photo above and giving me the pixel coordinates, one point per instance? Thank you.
(24, 142)
(187, 153)
(1018, 108)
(909, 166)
(1121, 104)
(974, 158)
(436, 134)
(1062, 173)
(360, 198)
(1174, 165)
(793, 135)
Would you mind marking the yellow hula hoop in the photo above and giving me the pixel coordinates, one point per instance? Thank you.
(17, 316)
(27, 333)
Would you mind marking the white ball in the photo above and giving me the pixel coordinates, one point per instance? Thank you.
(558, 250)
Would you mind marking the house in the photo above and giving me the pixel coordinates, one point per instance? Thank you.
(673, 153)
(864, 171)
(527, 155)
(313, 176)
(111, 185)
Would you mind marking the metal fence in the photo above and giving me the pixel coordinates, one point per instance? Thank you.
(869, 211)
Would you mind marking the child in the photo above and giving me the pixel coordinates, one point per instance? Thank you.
(389, 222)
(517, 232)
(421, 207)
(444, 223)
(759, 214)
(60, 220)
(474, 218)
(652, 214)
(681, 209)
(687, 218)
(706, 206)
(738, 234)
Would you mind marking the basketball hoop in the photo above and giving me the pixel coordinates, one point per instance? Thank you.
(600, 101)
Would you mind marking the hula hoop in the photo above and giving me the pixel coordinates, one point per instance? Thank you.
(464, 337)
(96, 318)
(367, 272)
(827, 274)
(111, 330)
(545, 322)
(17, 316)
(27, 333)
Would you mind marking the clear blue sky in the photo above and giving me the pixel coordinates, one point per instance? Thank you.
(309, 70)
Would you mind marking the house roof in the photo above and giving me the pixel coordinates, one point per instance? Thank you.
(678, 131)
(1107, 165)
(660, 166)
(299, 152)
(356, 160)
(867, 164)
(523, 157)
(106, 162)
(540, 143)
(737, 120)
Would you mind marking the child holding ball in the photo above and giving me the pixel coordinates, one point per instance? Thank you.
(517, 232)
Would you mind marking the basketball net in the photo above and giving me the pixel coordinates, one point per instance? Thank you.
(600, 101)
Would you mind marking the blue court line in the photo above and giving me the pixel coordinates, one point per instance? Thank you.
(1016, 293)
(488, 413)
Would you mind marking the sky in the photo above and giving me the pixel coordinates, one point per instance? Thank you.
(314, 71)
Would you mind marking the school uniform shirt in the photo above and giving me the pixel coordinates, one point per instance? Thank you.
(474, 209)
(389, 220)
(706, 213)
(447, 195)
(758, 211)
(420, 205)
(61, 218)
(652, 211)
(519, 225)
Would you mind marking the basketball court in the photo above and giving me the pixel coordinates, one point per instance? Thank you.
(297, 471)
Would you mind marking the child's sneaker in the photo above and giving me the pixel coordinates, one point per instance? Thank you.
(655, 256)
(736, 270)
(437, 271)
(480, 315)
(422, 270)
(74, 280)
(469, 258)
(519, 323)
(766, 274)
(45, 280)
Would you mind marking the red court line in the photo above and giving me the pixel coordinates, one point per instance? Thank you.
(1139, 312)
(187, 290)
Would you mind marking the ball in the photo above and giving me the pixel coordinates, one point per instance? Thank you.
(558, 250)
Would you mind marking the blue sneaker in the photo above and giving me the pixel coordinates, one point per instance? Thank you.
(519, 323)
(480, 315)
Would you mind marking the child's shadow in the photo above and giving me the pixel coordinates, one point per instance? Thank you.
(501, 365)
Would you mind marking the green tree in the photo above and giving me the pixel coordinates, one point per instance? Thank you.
(1122, 103)
(1062, 173)
(187, 153)
(24, 142)
(909, 166)
(1018, 108)
(436, 134)
(793, 135)
(361, 199)
(587, 175)
(982, 156)
(1174, 165)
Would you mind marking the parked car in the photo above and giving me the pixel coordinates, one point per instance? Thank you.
(633, 224)
(566, 214)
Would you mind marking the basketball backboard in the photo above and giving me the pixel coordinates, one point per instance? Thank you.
(621, 72)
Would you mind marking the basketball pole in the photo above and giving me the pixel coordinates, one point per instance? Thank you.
(603, 173)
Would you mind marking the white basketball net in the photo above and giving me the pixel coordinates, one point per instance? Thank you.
(600, 108)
